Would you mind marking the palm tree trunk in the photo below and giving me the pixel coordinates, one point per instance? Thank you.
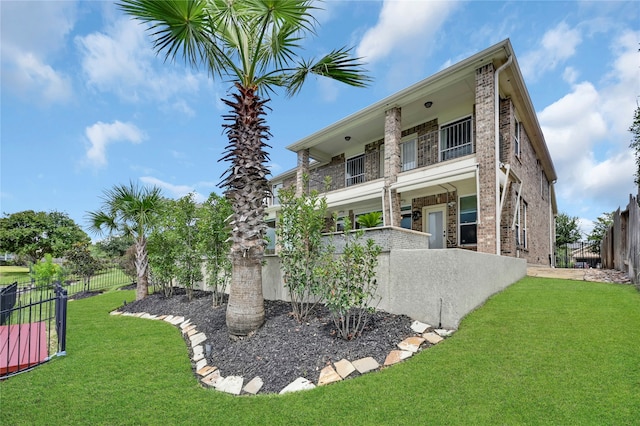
(245, 310)
(142, 268)
(246, 187)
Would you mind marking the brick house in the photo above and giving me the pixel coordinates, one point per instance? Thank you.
(459, 156)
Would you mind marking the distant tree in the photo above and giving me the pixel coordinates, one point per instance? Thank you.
(601, 226)
(114, 246)
(635, 143)
(35, 234)
(80, 261)
(567, 229)
(130, 210)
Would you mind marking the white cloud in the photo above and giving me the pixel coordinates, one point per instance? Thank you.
(586, 131)
(28, 48)
(620, 95)
(100, 135)
(403, 26)
(176, 191)
(556, 46)
(572, 124)
(121, 60)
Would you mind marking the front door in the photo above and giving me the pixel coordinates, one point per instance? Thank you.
(434, 222)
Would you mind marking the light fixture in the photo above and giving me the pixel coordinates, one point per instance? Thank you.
(416, 215)
(428, 104)
(347, 138)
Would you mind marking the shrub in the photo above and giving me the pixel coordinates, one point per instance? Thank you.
(302, 254)
(46, 272)
(350, 283)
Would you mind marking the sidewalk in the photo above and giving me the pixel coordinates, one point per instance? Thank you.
(599, 275)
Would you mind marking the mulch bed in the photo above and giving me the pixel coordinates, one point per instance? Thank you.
(282, 349)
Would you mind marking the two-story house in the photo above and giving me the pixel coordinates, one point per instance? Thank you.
(459, 156)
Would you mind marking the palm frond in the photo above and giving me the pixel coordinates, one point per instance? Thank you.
(177, 27)
(337, 65)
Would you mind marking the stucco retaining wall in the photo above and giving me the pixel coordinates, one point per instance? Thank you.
(438, 287)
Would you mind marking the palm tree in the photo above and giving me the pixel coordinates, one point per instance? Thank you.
(130, 210)
(250, 43)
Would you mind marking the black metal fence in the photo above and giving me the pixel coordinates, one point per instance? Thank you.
(33, 317)
(32, 326)
(581, 254)
(108, 278)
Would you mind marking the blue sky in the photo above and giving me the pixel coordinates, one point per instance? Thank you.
(86, 104)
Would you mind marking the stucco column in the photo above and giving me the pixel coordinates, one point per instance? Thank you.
(392, 139)
(302, 170)
(486, 156)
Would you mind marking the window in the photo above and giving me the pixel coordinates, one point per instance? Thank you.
(275, 201)
(271, 237)
(468, 219)
(456, 139)
(355, 170)
(408, 155)
(523, 240)
(406, 217)
(516, 138)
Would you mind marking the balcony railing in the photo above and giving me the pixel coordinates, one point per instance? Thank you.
(354, 171)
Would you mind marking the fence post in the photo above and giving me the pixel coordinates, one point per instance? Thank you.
(61, 318)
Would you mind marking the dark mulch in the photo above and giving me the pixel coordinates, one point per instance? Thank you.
(282, 349)
(85, 294)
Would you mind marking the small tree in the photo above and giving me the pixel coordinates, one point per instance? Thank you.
(46, 272)
(567, 232)
(183, 212)
(351, 284)
(600, 228)
(215, 244)
(162, 259)
(302, 254)
(80, 261)
(130, 210)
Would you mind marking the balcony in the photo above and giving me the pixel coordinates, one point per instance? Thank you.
(451, 141)
(356, 170)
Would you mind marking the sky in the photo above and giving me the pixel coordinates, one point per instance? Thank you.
(86, 103)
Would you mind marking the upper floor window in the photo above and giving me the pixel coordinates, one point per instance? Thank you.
(408, 155)
(456, 139)
(354, 172)
(516, 138)
(468, 219)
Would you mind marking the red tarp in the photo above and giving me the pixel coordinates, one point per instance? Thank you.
(22, 346)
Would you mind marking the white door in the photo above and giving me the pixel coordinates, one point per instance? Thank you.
(434, 222)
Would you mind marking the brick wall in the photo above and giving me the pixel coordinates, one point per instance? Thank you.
(452, 212)
(485, 154)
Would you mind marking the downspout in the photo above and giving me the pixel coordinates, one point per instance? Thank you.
(384, 216)
(390, 209)
(496, 116)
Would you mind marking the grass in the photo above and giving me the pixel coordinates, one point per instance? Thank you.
(544, 351)
(10, 274)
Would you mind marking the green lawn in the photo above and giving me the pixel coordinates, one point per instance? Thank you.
(10, 274)
(544, 351)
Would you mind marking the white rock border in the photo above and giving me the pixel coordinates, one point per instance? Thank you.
(211, 377)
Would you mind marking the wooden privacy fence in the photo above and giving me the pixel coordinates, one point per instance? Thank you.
(621, 244)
